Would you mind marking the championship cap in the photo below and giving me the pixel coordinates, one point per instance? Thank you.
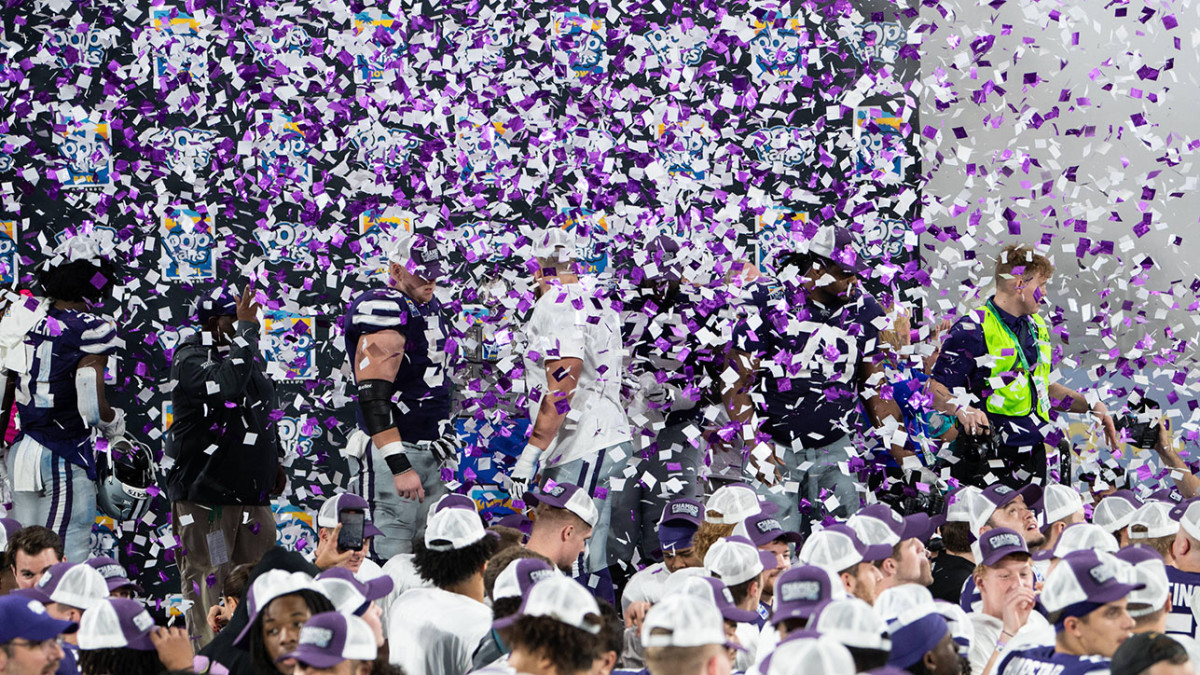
(733, 503)
(678, 524)
(421, 256)
(879, 524)
(683, 620)
(454, 500)
(114, 574)
(904, 604)
(993, 545)
(515, 580)
(735, 560)
(1115, 511)
(566, 496)
(801, 590)
(562, 599)
(997, 496)
(1082, 582)
(554, 242)
(1059, 501)
(1145, 566)
(1080, 537)
(762, 529)
(268, 586)
(716, 592)
(1188, 516)
(959, 623)
(853, 623)
(960, 504)
(329, 638)
(838, 547)
(453, 529)
(808, 653)
(914, 634)
(72, 584)
(348, 594)
(26, 619)
(1155, 516)
(116, 623)
(330, 513)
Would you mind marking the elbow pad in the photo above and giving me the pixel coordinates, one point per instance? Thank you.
(375, 402)
(85, 395)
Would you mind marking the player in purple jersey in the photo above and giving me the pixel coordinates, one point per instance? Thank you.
(396, 340)
(55, 350)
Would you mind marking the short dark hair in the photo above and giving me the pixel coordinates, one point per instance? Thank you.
(259, 658)
(868, 659)
(448, 568)
(570, 649)
(32, 540)
(119, 660)
(236, 581)
(611, 637)
(509, 537)
(957, 537)
(77, 280)
(501, 559)
(742, 590)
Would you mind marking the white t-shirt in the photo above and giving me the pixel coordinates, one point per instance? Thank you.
(747, 635)
(988, 630)
(646, 585)
(434, 632)
(571, 321)
(404, 578)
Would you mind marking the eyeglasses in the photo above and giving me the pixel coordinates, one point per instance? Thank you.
(44, 645)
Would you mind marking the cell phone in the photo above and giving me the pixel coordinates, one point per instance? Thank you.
(351, 536)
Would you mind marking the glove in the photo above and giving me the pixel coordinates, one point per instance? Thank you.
(524, 470)
(116, 428)
(446, 448)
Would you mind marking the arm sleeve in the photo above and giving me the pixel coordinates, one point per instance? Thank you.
(379, 314)
(223, 380)
(555, 331)
(956, 363)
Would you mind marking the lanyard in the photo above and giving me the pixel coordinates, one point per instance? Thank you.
(1020, 349)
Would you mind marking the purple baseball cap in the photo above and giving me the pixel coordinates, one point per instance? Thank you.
(684, 509)
(868, 520)
(116, 623)
(1081, 583)
(996, 496)
(422, 256)
(762, 529)
(330, 513)
(329, 638)
(114, 574)
(716, 592)
(1167, 494)
(455, 501)
(350, 595)
(517, 521)
(26, 619)
(838, 244)
(801, 590)
(515, 580)
(72, 584)
(997, 543)
(678, 524)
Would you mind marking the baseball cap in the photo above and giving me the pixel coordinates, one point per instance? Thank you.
(996, 496)
(853, 623)
(684, 620)
(114, 574)
(421, 256)
(566, 496)
(515, 580)
(1144, 565)
(116, 623)
(1080, 537)
(554, 242)
(959, 623)
(1188, 516)
(1080, 583)
(914, 635)
(678, 524)
(716, 592)
(219, 302)
(808, 653)
(960, 504)
(72, 584)
(733, 503)
(735, 560)
(517, 521)
(330, 512)
(904, 604)
(879, 524)
(562, 599)
(454, 500)
(762, 529)
(1059, 501)
(1142, 651)
(347, 593)
(838, 547)
(837, 244)
(1168, 495)
(329, 638)
(1155, 516)
(26, 619)
(801, 590)
(453, 529)
(268, 586)
(993, 545)
(1114, 511)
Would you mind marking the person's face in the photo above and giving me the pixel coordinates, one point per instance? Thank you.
(1104, 629)
(830, 284)
(34, 658)
(412, 285)
(122, 592)
(863, 583)
(721, 663)
(1164, 668)
(1031, 293)
(999, 580)
(1017, 517)
(62, 612)
(681, 559)
(943, 659)
(732, 638)
(913, 566)
(372, 617)
(354, 562)
(574, 544)
(282, 620)
(29, 568)
(783, 562)
(343, 668)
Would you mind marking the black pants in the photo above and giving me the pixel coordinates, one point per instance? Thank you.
(1017, 467)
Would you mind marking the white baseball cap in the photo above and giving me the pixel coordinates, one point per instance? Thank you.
(452, 529)
(1080, 537)
(736, 560)
(1143, 565)
(1114, 511)
(562, 599)
(961, 503)
(733, 503)
(268, 586)
(1059, 501)
(116, 623)
(1155, 516)
(809, 654)
(838, 548)
(1189, 517)
(904, 604)
(1083, 581)
(72, 584)
(515, 580)
(853, 623)
(554, 242)
(684, 620)
(329, 514)
(566, 496)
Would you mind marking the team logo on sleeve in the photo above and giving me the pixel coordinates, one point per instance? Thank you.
(189, 151)
(79, 45)
(297, 435)
(283, 151)
(779, 50)
(188, 245)
(880, 148)
(284, 241)
(877, 41)
(8, 252)
(179, 48)
(786, 146)
(289, 346)
(86, 150)
(380, 44)
(579, 47)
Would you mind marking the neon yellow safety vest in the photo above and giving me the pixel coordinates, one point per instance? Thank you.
(1013, 385)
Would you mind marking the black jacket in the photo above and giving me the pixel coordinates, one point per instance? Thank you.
(217, 402)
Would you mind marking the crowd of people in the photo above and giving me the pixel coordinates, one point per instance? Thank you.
(894, 505)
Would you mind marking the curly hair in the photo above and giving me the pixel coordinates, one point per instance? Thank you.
(707, 535)
(259, 658)
(79, 280)
(570, 649)
(449, 568)
(119, 660)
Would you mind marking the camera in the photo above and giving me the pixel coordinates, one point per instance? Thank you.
(1141, 424)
